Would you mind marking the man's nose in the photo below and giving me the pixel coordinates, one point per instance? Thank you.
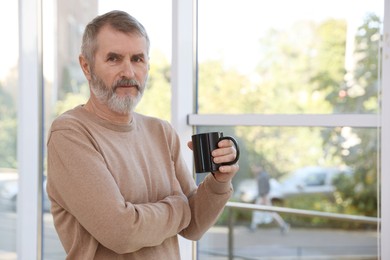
(128, 69)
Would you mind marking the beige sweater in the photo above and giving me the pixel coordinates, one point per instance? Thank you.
(124, 191)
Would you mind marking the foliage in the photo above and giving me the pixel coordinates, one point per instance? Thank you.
(324, 203)
(286, 69)
(303, 71)
(220, 89)
(71, 100)
(329, 63)
(8, 132)
(285, 86)
(358, 147)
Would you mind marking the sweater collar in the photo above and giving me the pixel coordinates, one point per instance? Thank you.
(105, 123)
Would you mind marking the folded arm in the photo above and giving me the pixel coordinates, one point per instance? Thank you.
(80, 183)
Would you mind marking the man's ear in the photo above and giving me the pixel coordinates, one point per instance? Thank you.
(85, 67)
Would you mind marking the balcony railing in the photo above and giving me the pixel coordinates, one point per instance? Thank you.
(231, 206)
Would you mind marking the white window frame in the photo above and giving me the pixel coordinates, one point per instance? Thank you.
(30, 124)
(183, 85)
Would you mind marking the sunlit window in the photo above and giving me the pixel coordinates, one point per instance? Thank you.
(294, 58)
(286, 57)
(8, 127)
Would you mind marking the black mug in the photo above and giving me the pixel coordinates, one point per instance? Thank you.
(202, 146)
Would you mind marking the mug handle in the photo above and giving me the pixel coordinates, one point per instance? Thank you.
(237, 149)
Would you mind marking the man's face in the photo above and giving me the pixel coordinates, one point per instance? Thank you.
(120, 72)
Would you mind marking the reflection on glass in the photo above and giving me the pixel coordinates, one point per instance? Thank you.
(8, 128)
(312, 168)
(289, 56)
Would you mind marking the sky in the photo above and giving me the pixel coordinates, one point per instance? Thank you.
(230, 22)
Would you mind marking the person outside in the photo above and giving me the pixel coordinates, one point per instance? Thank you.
(118, 185)
(264, 217)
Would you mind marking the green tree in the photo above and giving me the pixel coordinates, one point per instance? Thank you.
(329, 62)
(217, 89)
(286, 86)
(72, 100)
(358, 146)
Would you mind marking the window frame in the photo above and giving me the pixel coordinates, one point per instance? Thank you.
(30, 131)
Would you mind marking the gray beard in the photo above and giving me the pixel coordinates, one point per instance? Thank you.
(106, 95)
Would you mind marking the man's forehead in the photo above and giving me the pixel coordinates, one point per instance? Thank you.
(109, 31)
(110, 40)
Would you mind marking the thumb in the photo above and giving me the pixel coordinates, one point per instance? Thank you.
(189, 144)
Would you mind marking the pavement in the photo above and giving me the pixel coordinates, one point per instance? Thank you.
(298, 243)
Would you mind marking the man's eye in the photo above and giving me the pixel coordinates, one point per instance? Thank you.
(112, 58)
(137, 59)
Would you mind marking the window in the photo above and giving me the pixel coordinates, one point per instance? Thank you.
(8, 128)
(264, 59)
(265, 72)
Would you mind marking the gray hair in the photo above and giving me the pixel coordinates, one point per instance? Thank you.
(120, 21)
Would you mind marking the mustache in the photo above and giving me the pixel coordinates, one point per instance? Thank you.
(126, 82)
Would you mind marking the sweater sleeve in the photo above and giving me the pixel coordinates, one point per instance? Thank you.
(206, 204)
(80, 184)
(206, 201)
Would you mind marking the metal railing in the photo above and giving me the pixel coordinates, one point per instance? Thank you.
(231, 206)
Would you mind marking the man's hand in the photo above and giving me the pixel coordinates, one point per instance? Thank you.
(226, 152)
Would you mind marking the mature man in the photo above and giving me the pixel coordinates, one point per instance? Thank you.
(118, 185)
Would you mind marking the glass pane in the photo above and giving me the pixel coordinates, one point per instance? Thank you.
(331, 170)
(65, 84)
(9, 53)
(285, 57)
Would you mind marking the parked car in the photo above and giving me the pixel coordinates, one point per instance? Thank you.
(307, 180)
(9, 191)
(312, 180)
